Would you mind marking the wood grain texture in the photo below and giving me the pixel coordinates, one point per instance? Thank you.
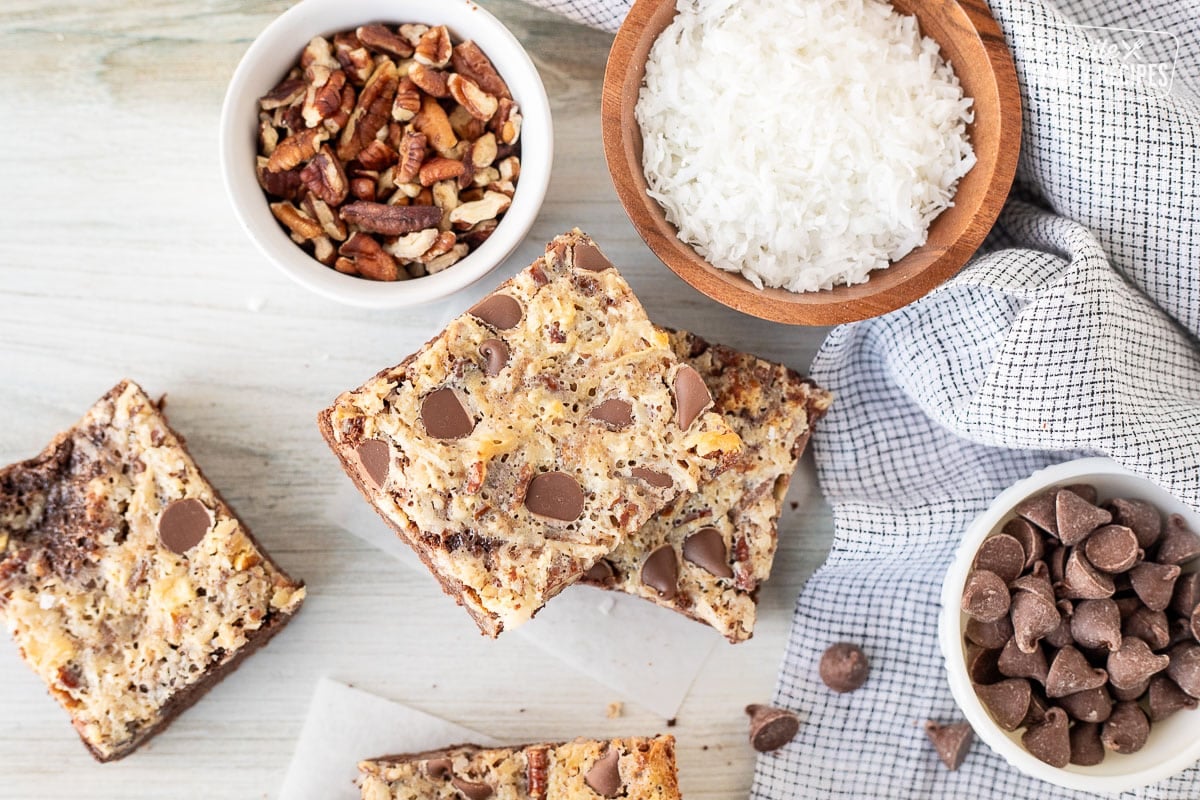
(970, 39)
(121, 258)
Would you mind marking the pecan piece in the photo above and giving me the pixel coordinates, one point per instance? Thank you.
(330, 223)
(478, 234)
(471, 62)
(429, 80)
(288, 92)
(443, 244)
(456, 254)
(296, 149)
(345, 266)
(353, 57)
(433, 122)
(339, 118)
(478, 103)
(412, 246)
(318, 52)
(324, 251)
(324, 177)
(369, 258)
(510, 169)
(377, 155)
(434, 48)
(391, 220)
(412, 32)
(408, 100)
(465, 126)
(364, 185)
(268, 135)
(299, 223)
(284, 184)
(537, 768)
(439, 169)
(445, 197)
(379, 38)
(484, 153)
(506, 123)
(322, 102)
(491, 206)
(412, 155)
(372, 111)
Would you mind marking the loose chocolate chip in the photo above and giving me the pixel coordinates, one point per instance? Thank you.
(443, 415)
(1007, 701)
(1090, 705)
(661, 572)
(1040, 510)
(1184, 668)
(1150, 626)
(1112, 548)
(604, 777)
(691, 396)
(983, 665)
(472, 791)
(1003, 555)
(952, 742)
(844, 667)
(1186, 595)
(1097, 623)
(1086, 748)
(1083, 581)
(376, 459)
(771, 728)
(501, 311)
(1139, 516)
(1133, 693)
(1070, 672)
(1077, 517)
(1165, 697)
(556, 495)
(1154, 583)
(1061, 636)
(495, 356)
(1056, 561)
(589, 257)
(183, 524)
(616, 414)
(439, 768)
(985, 597)
(1015, 663)
(659, 480)
(706, 549)
(1084, 491)
(1038, 581)
(1127, 729)
(1181, 631)
(600, 572)
(1038, 705)
(1050, 741)
(1030, 539)
(1033, 617)
(1179, 544)
(989, 635)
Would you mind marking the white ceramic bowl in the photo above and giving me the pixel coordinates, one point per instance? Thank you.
(1174, 743)
(278, 48)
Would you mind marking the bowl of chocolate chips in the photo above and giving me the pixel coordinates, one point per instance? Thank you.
(1070, 628)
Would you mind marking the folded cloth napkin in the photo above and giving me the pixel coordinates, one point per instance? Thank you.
(1073, 333)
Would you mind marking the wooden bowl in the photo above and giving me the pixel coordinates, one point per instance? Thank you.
(968, 37)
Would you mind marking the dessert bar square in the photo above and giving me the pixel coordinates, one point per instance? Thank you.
(633, 768)
(532, 435)
(706, 553)
(126, 581)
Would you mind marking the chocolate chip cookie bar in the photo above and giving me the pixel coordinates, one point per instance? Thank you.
(706, 553)
(128, 584)
(532, 436)
(635, 769)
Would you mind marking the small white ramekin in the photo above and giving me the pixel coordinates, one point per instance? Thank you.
(1174, 743)
(278, 48)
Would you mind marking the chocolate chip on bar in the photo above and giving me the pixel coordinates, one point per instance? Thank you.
(771, 728)
(844, 667)
(604, 777)
(952, 742)
(183, 523)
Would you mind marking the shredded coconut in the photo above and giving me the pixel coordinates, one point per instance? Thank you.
(802, 143)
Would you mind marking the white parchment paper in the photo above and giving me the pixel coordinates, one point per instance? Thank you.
(650, 656)
(346, 725)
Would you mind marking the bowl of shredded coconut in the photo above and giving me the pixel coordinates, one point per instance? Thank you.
(811, 161)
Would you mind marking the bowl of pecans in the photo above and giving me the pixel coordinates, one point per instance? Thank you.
(386, 153)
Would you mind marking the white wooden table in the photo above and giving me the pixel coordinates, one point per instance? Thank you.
(120, 257)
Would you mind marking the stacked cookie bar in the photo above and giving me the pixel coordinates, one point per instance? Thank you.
(548, 435)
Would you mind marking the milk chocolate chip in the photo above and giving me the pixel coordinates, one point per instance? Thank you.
(1140, 517)
(1134, 663)
(501, 311)
(472, 791)
(952, 742)
(495, 356)
(771, 728)
(691, 396)
(1082, 580)
(844, 667)
(990, 635)
(1086, 748)
(1007, 701)
(600, 572)
(555, 495)
(1003, 555)
(1029, 538)
(1070, 672)
(1033, 616)
(1017, 664)
(706, 549)
(1097, 623)
(1077, 517)
(1154, 583)
(983, 665)
(1179, 544)
(183, 524)
(604, 777)
(1127, 729)
(1151, 626)
(376, 459)
(985, 597)
(439, 768)
(1040, 510)
(1186, 594)
(1050, 741)
(589, 257)
(1090, 705)
(1085, 491)
(1184, 668)
(444, 416)
(614, 413)
(1112, 548)
(661, 572)
(1165, 698)
(659, 480)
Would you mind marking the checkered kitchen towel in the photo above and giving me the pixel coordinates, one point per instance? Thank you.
(1074, 332)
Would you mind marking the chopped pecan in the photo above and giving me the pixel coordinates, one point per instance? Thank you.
(324, 251)
(338, 120)
(407, 102)
(289, 92)
(369, 258)
(478, 234)
(322, 102)
(285, 184)
(485, 176)
(296, 149)
(510, 169)
(268, 135)
(433, 122)
(391, 220)
(412, 32)
(424, 197)
(319, 52)
(363, 185)
(478, 103)
(429, 80)
(443, 244)
(456, 254)
(439, 169)
(377, 155)
(503, 187)
(491, 206)
(468, 161)
(470, 195)
(471, 62)
(325, 216)
(464, 125)
(484, 152)
(345, 266)
(412, 155)
(412, 246)
(381, 39)
(445, 197)
(371, 112)
(299, 223)
(537, 768)
(506, 123)
(353, 57)
(324, 177)
(434, 48)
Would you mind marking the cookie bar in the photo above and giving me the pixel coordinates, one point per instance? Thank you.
(532, 435)
(634, 768)
(706, 553)
(127, 583)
